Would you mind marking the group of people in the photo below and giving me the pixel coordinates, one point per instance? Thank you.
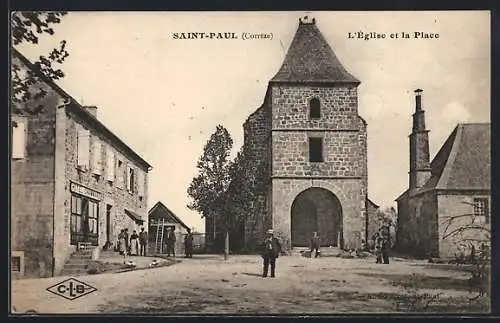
(171, 239)
(135, 245)
(382, 246)
(271, 249)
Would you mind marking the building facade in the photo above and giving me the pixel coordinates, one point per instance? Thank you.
(446, 195)
(160, 218)
(309, 150)
(72, 181)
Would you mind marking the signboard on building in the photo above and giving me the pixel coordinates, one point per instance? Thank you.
(85, 191)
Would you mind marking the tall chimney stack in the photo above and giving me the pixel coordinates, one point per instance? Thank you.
(92, 110)
(420, 170)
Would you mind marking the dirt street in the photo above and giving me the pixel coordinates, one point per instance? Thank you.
(208, 284)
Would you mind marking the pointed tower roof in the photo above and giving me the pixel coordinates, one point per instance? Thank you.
(310, 59)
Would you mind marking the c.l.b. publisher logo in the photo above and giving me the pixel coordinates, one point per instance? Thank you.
(71, 289)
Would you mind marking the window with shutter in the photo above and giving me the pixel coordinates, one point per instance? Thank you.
(83, 148)
(120, 174)
(140, 183)
(18, 139)
(128, 177)
(97, 157)
(110, 164)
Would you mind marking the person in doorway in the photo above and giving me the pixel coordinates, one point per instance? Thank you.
(315, 244)
(143, 240)
(85, 228)
(270, 252)
(171, 242)
(122, 242)
(188, 244)
(134, 244)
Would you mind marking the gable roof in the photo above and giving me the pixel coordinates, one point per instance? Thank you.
(468, 165)
(78, 109)
(370, 202)
(310, 59)
(463, 162)
(159, 210)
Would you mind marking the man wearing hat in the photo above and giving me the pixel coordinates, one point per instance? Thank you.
(271, 251)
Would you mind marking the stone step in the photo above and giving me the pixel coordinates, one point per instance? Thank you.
(78, 261)
(74, 270)
(71, 264)
(82, 254)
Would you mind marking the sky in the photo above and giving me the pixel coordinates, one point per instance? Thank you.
(164, 96)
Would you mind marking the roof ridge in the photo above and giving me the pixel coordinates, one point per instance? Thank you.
(475, 123)
(160, 203)
(80, 108)
(450, 160)
(310, 59)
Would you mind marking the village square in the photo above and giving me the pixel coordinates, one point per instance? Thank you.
(290, 222)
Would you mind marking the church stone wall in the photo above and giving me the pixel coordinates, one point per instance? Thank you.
(257, 147)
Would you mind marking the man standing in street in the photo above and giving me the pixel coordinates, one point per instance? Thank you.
(386, 246)
(143, 240)
(315, 244)
(188, 244)
(271, 251)
(171, 242)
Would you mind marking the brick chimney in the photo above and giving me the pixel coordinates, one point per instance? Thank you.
(92, 110)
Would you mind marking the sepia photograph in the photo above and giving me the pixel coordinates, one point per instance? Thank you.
(250, 163)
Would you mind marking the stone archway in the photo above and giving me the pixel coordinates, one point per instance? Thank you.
(316, 210)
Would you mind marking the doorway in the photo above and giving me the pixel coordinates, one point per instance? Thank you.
(316, 210)
(108, 224)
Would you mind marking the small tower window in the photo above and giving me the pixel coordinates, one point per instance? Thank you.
(315, 149)
(314, 109)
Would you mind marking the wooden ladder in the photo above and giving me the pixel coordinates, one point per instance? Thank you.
(160, 236)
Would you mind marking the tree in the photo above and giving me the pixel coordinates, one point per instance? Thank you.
(26, 28)
(471, 234)
(246, 175)
(209, 188)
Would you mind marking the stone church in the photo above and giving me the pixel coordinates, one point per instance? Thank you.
(309, 149)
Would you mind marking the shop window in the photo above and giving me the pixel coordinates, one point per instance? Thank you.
(84, 220)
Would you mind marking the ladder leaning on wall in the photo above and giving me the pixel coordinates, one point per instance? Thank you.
(159, 237)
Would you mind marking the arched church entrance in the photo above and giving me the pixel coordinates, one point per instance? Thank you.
(316, 210)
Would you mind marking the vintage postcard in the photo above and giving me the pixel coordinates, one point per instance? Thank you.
(250, 162)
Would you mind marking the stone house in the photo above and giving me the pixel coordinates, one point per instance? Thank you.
(160, 218)
(72, 181)
(457, 183)
(309, 151)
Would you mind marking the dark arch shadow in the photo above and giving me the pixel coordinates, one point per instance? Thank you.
(316, 210)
